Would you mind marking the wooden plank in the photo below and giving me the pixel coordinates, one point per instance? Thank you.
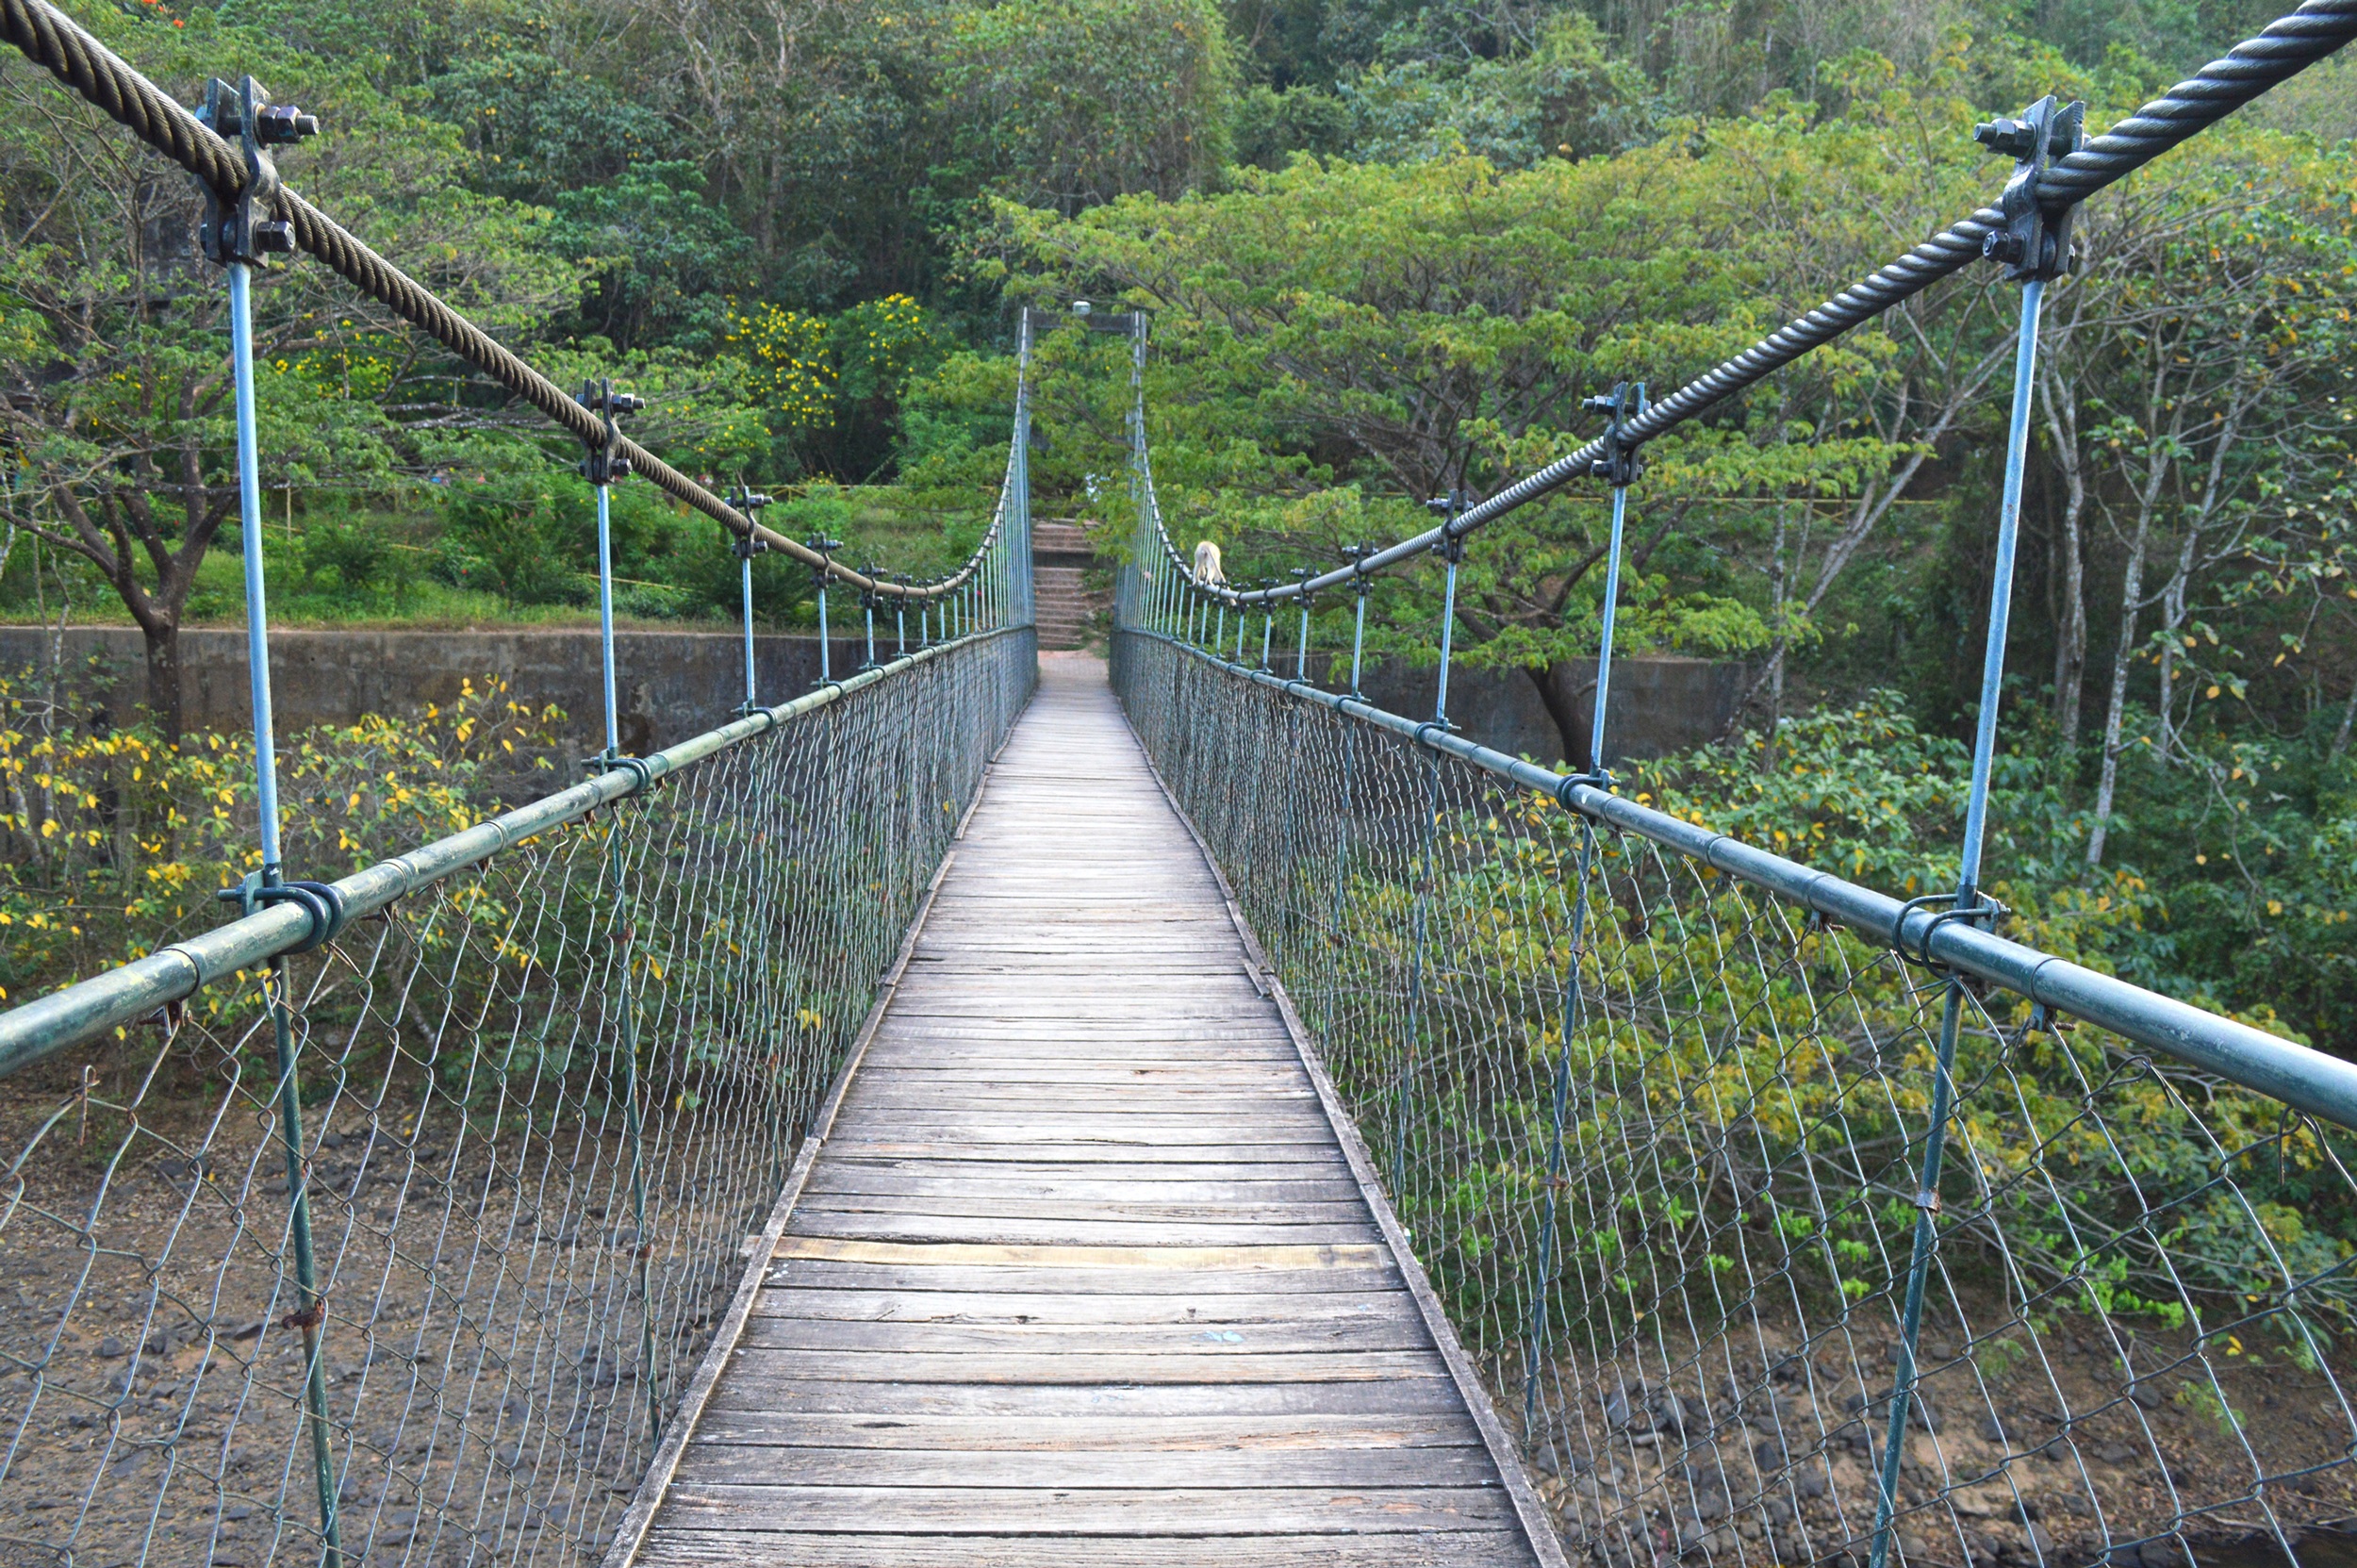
(1010, 1231)
(1225, 1340)
(915, 1181)
(1309, 1156)
(1178, 1307)
(1136, 1202)
(860, 1397)
(1167, 1510)
(1214, 1259)
(713, 1549)
(1086, 1433)
(1222, 1365)
(1097, 1470)
(829, 1274)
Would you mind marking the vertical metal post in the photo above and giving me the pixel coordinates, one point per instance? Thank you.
(1219, 630)
(311, 1309)
(605, 623)
(1301, 654)
(867, 608)
(1358, 637)
(745, 574)
(249, 528)
(1534, 1358)
(1454, 549)
(1603, 641)
(1268, 628)
(826, 668)
(1967, 895)
(900, 625)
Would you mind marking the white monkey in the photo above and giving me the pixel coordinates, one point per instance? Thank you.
(1207, 563)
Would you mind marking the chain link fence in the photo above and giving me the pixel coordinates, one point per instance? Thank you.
(1655, 1132)
(524, 1119)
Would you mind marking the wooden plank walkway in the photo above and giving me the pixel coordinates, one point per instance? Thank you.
(1082, 1272)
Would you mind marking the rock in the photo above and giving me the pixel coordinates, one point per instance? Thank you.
(1710, 1505)
(2146, 1395)
(2166, 1553)
(110, 1348)
(2129, 1556)
(2115, 1453)
(2041, 1545)
(1811, 1483)
(1991, 1429)
(1770, 1455)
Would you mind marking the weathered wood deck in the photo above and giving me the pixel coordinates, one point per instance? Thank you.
(1082, 1272)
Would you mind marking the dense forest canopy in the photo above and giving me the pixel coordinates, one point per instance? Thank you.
(1387, 248)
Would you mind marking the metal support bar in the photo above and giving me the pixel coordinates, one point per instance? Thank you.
(1926, 1237)
(310, 1309)
(1604, 640)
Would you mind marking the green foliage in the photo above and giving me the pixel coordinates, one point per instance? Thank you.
(1068, 104)
(659, 261)
(113, 841)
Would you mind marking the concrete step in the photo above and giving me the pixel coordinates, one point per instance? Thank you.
(1066, 612)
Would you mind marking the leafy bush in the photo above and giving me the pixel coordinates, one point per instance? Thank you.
(113, 843)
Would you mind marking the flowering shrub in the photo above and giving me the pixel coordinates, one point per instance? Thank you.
(114, 842)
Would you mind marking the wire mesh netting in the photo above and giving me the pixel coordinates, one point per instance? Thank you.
(539, 1108)
(1668, 1196)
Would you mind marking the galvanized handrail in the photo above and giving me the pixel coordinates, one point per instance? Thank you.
(89, 1009)
(2305, 1079)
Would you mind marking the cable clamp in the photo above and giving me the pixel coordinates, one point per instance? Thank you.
(1926, 1200)
(640, 768)
(2034, 244)
(1621, 464)
(322, 901)
(1973, 908)
(825, 567)
(1601, 779)
(241, 229)
(1450, 546)
(604, 466)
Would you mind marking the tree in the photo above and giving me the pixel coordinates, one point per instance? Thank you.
(115, 347)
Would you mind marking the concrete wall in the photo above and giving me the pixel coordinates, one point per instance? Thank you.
(671, 684)
(674, 685)
(1658, 705)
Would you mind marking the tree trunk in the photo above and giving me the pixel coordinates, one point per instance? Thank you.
(2130, 594)
(2071, 631)
(163, 677)
(1560, 688)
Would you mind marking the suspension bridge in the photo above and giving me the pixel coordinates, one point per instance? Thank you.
(1018, 1109)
